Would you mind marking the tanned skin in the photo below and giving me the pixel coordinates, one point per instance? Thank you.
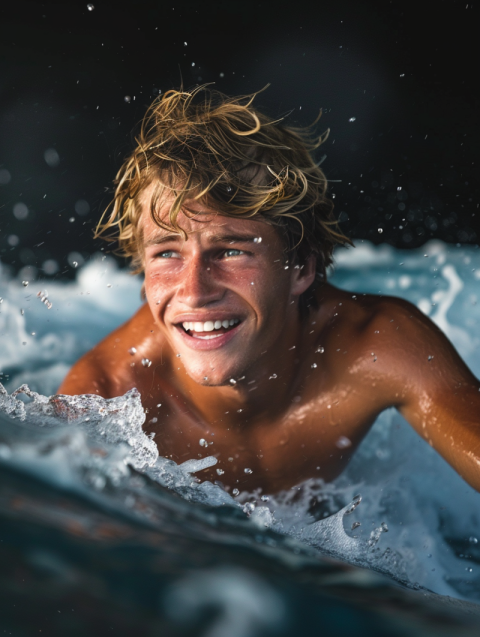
(305, 387)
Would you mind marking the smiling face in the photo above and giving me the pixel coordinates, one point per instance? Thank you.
(223, 297)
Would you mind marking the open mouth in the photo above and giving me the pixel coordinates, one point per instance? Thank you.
(208, 330)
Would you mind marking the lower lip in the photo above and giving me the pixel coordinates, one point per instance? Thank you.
(208, 343)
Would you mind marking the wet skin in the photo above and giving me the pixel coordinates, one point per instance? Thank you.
(306, 390)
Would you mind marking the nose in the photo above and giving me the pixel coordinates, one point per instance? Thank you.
(198, 286)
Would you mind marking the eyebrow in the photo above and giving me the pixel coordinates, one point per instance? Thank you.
(217, 238)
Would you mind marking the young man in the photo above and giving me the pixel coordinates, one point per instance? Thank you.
(242, 346)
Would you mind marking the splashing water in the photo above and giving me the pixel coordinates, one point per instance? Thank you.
(97, 447)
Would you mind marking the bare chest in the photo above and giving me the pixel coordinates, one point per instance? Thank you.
(313, 438)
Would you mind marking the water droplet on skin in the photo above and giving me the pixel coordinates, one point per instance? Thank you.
(146, 362)
(233, 381)
(319, 350)
(205, 378)
(132, 351)
(235, 492)
(247, 470)
(202, 442)
(314, 365)
(343, 442)
(220, 472)
(430, 358)
(257, 240)
(178, 355)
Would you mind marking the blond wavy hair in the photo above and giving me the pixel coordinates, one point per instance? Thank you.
(203, 145)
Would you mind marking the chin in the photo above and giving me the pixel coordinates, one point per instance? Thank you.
(213, 378)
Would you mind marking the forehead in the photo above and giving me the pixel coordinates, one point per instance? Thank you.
(201, 222)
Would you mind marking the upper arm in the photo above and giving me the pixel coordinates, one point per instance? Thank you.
(435, 390)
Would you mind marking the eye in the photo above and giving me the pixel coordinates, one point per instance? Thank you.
(233, 253)
(167, 254)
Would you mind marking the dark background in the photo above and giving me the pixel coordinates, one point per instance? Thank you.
(398, 84)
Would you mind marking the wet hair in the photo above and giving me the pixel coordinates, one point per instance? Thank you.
(203, 145)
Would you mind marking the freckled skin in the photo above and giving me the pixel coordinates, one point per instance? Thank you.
(376, 356)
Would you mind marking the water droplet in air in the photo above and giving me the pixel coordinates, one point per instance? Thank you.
(72, 219)
(355, 525)
(380, 230)
(264, 498)
(90, 7)
(24, 283)
(319, 350)
(273, 376)
(146, 362)
(473, 540)
(229, 189)
(352, 119)
(399, 188)
(247, 470)
(185, 44)
(314, 365)
(343, 442)
(233, 381)
(235, 492)
(75, 264)
(220, 472)
(127, 99)
(22, 312)
(132, 350)
(249, 508)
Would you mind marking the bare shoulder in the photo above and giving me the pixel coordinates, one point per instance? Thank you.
(386, 346)
(105, 369)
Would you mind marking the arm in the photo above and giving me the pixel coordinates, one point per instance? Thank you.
(439, 396)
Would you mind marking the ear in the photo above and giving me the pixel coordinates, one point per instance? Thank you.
(304, 276)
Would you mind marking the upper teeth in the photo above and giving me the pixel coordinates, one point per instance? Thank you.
(208, 326)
